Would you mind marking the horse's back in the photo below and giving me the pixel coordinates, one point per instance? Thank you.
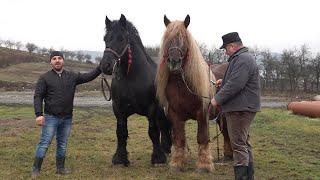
(219, 70)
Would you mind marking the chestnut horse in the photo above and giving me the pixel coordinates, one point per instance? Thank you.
(184, 89)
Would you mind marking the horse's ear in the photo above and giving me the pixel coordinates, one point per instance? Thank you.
(123, 20)
(187, 21)
(108, 22)
(166, 20)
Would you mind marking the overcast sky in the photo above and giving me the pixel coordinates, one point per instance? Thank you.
(79, 24)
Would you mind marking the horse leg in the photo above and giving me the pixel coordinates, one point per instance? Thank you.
(179, 141)
(121, 155)
(158, 156)
(204, 163)
(165, 129)
(228, 153)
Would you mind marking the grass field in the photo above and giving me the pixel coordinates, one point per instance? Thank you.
(285, 147)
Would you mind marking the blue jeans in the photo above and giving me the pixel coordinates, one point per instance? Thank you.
(61, 127)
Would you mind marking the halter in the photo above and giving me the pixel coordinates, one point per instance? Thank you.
(181, 57)
(118, 61)
(179, 49)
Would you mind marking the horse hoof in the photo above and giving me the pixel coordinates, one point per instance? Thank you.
(125, 164)
(159, 165)
(158, 158)
(120, 160)
(203, 170)
(176, 169)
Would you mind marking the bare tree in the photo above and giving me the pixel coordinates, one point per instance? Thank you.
(44, 51)
(304, 57)
(67, 54)
(269, 63)
(291, 68)
(9, 44)
(98, 59)
(18, 45)
(217, 56)
(204, 50)
(254, 51)
(72, 55)
(152, 51)
(31, 47)
(80, 56)
(87, 57)
(315, 64)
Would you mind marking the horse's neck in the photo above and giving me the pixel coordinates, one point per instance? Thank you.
(140, 66)
(176, 78)
(141, 61)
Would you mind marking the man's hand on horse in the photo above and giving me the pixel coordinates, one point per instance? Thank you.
(40, 120)
(218, 82)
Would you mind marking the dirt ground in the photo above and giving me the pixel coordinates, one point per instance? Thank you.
(96, 99)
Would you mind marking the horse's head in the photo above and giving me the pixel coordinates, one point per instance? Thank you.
(117, 45)
(176, 43)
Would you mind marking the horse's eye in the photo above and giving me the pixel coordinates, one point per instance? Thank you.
(120, 39)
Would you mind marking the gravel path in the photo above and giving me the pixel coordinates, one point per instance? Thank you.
(80, 100)
(95, 99)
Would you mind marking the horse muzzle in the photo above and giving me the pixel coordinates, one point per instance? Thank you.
(174, 64)
(107, 67)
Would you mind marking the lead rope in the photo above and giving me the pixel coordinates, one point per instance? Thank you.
(104, 81)
(118, 61)
(216, 121)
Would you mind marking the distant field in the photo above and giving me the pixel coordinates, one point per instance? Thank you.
(285, 147)
(20, 70)
(16, 76)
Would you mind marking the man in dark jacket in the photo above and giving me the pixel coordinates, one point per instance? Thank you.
(239, 99)
(56, 88)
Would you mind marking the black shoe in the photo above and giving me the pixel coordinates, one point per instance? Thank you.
(241, 172)
(60, 166)
(36, 167)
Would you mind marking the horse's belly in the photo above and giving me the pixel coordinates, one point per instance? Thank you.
(133, 101)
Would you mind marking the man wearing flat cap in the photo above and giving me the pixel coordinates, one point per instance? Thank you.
(56, 88)
(239, 99)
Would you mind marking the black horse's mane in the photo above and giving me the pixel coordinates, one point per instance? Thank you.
(134, 35)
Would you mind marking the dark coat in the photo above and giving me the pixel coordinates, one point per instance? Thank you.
(57, 91)
(240, 88)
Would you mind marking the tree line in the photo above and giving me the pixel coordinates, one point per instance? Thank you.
(43, 51)
(292, 71)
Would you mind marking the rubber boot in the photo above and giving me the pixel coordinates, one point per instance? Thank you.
(60, 166)
(241, 172)
(250, 171)
(36, 167)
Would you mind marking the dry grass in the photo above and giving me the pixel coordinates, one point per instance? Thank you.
(285, 147)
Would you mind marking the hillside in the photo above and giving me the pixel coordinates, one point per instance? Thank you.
(20, 70)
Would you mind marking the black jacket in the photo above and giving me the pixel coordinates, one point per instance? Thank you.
(240, 88)
(57, 91)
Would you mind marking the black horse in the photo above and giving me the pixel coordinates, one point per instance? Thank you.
(133, 89)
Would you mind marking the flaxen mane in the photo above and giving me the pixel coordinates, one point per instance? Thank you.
(195, 70)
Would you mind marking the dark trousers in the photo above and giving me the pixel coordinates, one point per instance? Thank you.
(238, 124)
